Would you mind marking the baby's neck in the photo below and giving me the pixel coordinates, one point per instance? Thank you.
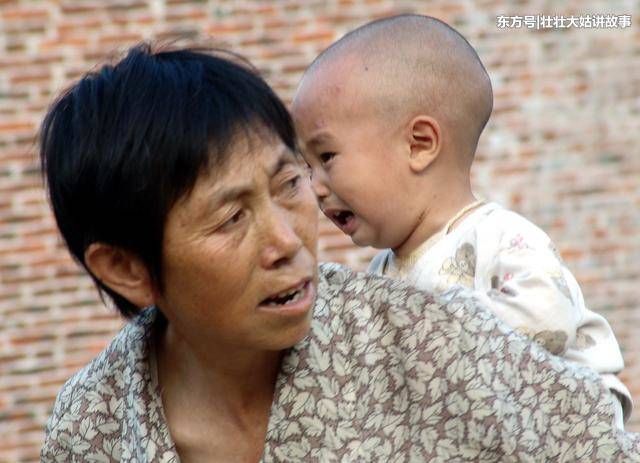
(433, 221)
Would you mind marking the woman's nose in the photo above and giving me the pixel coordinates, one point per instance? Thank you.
(281, 237)
(319, 185)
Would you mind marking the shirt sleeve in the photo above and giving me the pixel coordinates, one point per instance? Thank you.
(59, 430)
(542, 407)
(565, 407)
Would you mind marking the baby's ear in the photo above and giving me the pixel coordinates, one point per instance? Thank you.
(424, 142)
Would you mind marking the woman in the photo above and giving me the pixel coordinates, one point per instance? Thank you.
(179, 170)
(175, 182)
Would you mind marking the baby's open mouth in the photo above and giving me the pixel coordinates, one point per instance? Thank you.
(342, 217)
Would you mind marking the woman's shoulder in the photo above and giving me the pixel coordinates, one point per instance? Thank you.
(126, 349)
(338, 280)
(91, 404)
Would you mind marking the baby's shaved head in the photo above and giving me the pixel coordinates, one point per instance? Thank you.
(409, 65)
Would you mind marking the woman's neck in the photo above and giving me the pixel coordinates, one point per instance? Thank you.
(217, 402)
(233, 379)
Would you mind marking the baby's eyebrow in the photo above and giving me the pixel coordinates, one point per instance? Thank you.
(318, 139)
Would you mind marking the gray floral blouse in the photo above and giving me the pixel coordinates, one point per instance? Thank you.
(387, 374)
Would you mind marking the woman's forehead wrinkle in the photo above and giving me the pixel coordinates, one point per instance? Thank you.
(211, 192)
(230, 184)
(285, 157)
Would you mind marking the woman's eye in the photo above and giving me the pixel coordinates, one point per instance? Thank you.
(292, 186)
(293, 183)
(326, 156)
(237, 217)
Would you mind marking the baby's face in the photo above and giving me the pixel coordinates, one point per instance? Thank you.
(356, 168)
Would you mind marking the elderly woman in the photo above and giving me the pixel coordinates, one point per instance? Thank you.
(175, 182)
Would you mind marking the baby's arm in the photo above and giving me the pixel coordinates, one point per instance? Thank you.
(529, 291)
(533, 291)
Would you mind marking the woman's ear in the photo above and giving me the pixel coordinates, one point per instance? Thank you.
(425, 142)
(122, 271)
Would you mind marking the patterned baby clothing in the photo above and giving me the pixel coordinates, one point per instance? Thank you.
(506, 257)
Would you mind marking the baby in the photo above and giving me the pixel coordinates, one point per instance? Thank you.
(389, 118)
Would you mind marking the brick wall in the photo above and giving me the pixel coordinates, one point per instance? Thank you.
(561, 148)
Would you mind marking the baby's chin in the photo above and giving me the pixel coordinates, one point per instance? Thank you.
(362, 240)
(363, 243)
(361, 232)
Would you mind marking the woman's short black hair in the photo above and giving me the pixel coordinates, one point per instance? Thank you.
(123, 144)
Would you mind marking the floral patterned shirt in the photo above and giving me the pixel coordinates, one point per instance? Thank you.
(386, 374)
(506, 257)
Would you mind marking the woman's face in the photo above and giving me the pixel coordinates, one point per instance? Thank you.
(239, 253)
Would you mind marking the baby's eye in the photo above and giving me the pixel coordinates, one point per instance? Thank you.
(326, 156)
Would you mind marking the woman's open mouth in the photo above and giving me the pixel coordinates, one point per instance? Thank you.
(292, 301)
(287, 297)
